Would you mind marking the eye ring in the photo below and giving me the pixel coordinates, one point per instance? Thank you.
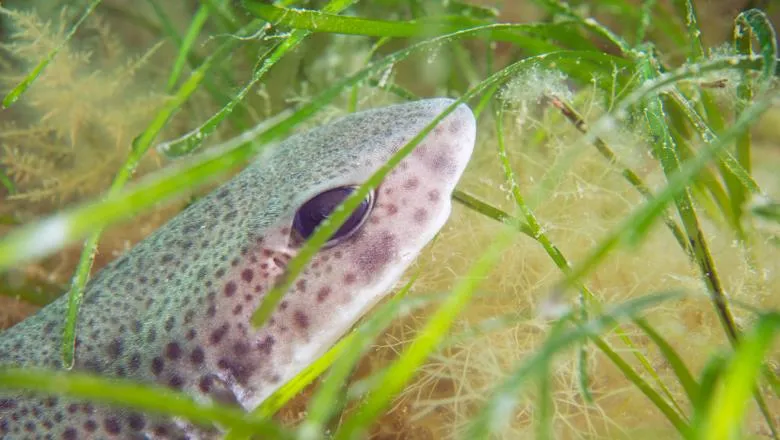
(318, 208)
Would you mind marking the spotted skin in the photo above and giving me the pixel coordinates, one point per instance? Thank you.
(175, 309)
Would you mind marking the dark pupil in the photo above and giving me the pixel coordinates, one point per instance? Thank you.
(319, 207)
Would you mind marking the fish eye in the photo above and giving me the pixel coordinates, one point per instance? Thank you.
(318, 208)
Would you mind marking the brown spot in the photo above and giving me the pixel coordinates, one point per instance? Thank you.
(197, 356)
(247, 275)
(114, 348)
(301, 319)
(323, 293)
(176, 382)
(157, 365)
(173, 351)
(266, 346)
(238, 309)
(434, 195)
(169, 323)
(205, 383)
(420, 214)
(240, 348)
(421, 150)
(90, 425)
(111, 425)
(454, 126)
(136, 422)
(377, 255)
(69, 434)
(6, 404)
(219, 333)
(239, 371)
(230, 288)
(412, 183)
(301, 285)
(391, 209)
(442, 163)
(350, 278)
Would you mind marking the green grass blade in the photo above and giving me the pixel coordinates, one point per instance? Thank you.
(675, 418)
(196, 25)
(684, 376)
(405, 367)
(645, 15)
(7, 182)
(129, 394)
(323, 22)
(757, 21)
(725, 410)
(589, 24)
(329, 398)
(141, 145)
(686, 8)
(491, 211)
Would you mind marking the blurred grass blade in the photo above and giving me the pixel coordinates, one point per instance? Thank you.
(130, 394)
(140, 146)
(329, 397)
(724, 412)
(432, 333)
(768, 210)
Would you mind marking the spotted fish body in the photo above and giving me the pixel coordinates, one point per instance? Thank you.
(175, 309)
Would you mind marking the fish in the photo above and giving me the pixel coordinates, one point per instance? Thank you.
(175, 310)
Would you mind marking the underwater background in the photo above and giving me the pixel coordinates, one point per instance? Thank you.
(554, 161)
